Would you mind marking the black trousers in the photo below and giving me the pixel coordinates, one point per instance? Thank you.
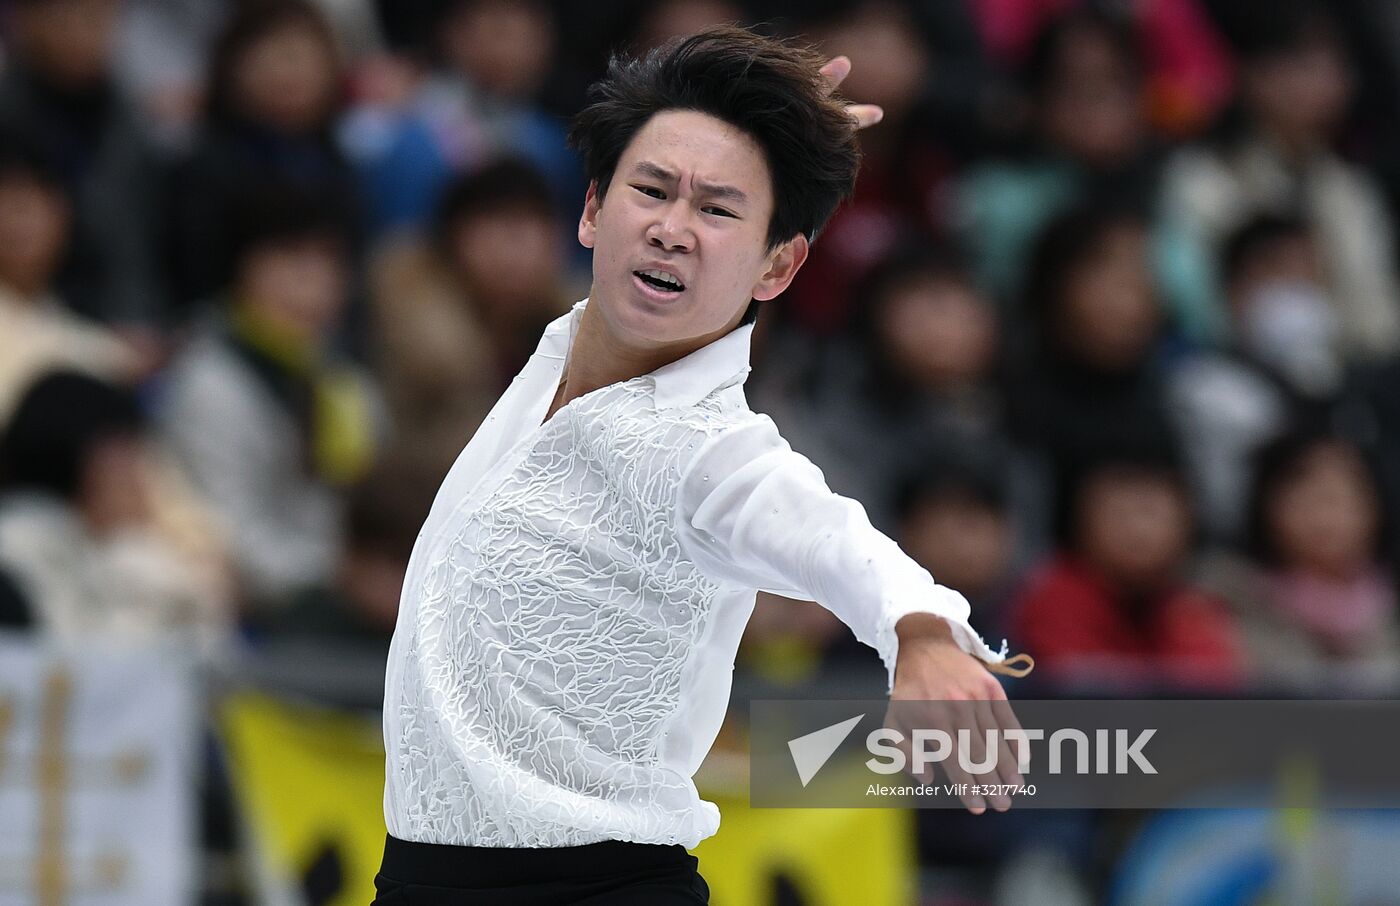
(612, 873)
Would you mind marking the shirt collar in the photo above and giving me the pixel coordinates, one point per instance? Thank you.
(684, 382)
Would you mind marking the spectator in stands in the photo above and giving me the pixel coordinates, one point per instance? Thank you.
(481, 99)
(904, 160)
(457, 318)
(1112, 609)
(274, 98)
(1088, 144)
(268, 419)
(37, 333)
(85, 534)
(158, 61)
(1315, 600)
(1086, 373)
(57, 91)
(918, 380)
(1277, 157)
(955, 520)
(1283, 363)
(383, 515)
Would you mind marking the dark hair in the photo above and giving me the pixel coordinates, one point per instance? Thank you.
(1143, 458)
(24, 156)
(60, 418)
(504, 184)
(958, 477)
(915, 260)
(768, 88)
(1278, 464)
(275, 213)
(1063, 246)
(1263, 29)
(1255, 237)
(251, 22)
(1043, 61)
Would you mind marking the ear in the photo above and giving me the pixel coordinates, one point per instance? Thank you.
(588, 220)
(783, 264)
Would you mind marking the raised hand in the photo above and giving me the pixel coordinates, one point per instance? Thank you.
(835, 71)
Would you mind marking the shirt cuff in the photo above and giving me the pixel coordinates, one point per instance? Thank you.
(940, 601)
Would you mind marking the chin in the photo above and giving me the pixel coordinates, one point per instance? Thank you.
(648, 319)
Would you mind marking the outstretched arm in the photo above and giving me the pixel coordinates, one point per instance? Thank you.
(754, 512)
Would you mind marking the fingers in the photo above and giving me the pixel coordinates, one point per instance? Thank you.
(835, 72)
(865, 115)
(977, 752)
(988, 727)
(965, 719)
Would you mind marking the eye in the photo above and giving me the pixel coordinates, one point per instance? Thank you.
(718, 212)
(650, 191)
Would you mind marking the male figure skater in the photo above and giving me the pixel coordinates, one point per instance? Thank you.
(572, 608)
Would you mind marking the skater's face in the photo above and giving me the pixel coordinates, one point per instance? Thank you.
(691, 198)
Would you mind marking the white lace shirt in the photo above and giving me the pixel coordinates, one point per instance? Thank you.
(573, 605)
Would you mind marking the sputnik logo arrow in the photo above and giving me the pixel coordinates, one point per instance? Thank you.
(812, 751)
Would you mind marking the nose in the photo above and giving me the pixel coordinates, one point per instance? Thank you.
(671, 231)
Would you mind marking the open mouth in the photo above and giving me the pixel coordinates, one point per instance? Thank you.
(660, 280)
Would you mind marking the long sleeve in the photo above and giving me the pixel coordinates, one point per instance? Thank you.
(753, 512)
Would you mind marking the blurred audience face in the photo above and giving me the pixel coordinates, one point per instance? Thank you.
(300, 284)
(1324, 517)
(508, 260)
(938, 333)
(68, 42)
(286, 78)
(964, 542)
(889, 63)
(114, 487)
(1091, 106)
(502, 46)
(1108, 316)
(1299, 96)
(1133, 526)
(674, 18)
(34, 222)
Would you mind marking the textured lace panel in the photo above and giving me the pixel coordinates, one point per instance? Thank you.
(553, 631)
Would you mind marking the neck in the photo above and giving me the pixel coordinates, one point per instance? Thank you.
(599, 357)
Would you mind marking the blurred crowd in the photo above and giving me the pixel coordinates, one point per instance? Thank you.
(1108, 339)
